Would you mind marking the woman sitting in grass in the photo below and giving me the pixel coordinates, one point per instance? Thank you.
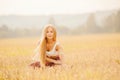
(49, 51)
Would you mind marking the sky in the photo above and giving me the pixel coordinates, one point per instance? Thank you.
(47, 7)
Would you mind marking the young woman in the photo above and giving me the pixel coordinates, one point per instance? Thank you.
(49, 51)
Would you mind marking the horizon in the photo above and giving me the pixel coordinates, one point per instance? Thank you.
(70, 20)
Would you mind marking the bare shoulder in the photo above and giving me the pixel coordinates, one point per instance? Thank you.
(58, 47)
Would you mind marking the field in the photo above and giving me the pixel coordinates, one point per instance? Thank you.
(86, 57)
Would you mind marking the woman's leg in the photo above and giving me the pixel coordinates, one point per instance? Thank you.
(48, 63)
(35, 64)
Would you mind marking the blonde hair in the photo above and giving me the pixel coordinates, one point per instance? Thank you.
(42, 46)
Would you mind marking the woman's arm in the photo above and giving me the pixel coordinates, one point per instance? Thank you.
(59, 50)
(59, 53)
(53, 55)
(52, 60)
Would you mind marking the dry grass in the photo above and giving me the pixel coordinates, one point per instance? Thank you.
(86, 57)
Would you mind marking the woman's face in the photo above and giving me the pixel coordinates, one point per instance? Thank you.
(49, 33)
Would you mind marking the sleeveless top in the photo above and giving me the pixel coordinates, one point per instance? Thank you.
(53, 51)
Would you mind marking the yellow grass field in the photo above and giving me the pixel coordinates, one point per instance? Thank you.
(86, 57)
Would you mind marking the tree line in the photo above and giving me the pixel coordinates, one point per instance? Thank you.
(111, 24)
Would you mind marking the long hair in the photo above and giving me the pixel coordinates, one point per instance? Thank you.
(43, 43)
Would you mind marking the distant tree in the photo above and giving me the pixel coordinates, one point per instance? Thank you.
(112, 22)
(4, 28)
(63, 30)
(91, 26)
(51, 20)
(4, 31)
(118, 21)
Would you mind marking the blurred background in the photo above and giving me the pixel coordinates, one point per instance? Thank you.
(26, 18)
(88, 30)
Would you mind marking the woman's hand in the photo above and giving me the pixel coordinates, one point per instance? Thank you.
(53, 60)
(57, 62)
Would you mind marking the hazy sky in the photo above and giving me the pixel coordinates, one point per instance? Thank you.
(33, 7)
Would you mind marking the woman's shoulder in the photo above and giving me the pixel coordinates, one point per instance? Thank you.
(58, 45)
